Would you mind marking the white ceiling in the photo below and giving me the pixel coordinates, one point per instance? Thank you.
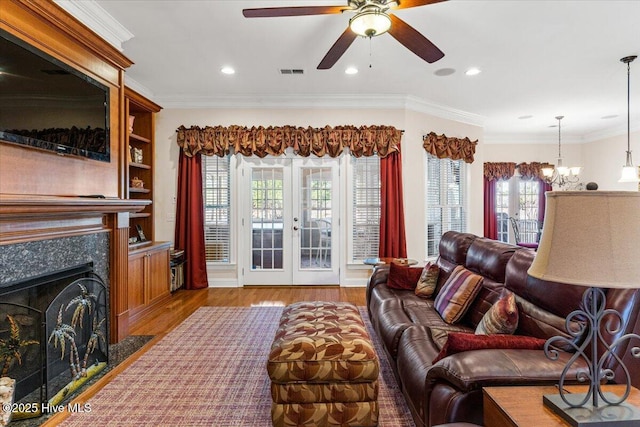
(538, 58)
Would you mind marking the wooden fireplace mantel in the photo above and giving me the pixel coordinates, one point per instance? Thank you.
(30, 218)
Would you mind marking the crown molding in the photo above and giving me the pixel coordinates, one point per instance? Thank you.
(423, 106)
(611, 132)
(372, 101)
(286, 101)
(530, 138)
(138, 87)
(538, 138)
(97, 19)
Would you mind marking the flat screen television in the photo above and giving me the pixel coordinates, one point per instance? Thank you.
(48, 105)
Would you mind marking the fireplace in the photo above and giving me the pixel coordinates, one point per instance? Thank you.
(63, 237)
(38, 279)
(53, 335)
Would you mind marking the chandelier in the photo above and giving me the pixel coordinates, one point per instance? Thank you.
(560, 176)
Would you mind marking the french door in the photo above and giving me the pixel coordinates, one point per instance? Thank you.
(290, 225)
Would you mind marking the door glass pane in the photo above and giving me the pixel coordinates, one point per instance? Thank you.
(266, 218)
(528, 210)
(315, 211)
(502, 209)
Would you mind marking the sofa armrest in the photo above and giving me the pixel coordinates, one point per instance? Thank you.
(378, 276)
(473, 370)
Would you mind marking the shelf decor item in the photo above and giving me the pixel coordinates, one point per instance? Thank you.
(132, 119)
(137, 155)
(141, 236)
(592, 239)
(137, 182)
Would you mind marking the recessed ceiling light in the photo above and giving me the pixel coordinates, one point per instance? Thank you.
(528, 116)
(351, 70)
(444, 72)
(611, 116)
(473, 71)
(227, 70)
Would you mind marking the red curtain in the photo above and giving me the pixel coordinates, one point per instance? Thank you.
(190, 221)
(392, 235)
(490, 218)
(542, 201)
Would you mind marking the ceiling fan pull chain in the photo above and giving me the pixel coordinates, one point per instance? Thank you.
(370, 38)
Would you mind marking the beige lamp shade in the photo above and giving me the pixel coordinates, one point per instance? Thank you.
(590, 238)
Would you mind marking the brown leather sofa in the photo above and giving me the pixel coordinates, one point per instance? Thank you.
(451, 389)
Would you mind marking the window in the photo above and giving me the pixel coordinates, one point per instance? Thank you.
(365, 207)
(519, 199)
(446, 199)
(216, 188)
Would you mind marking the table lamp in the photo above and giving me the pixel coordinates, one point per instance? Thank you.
(592, 239)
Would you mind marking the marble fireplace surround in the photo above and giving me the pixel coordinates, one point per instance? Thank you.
(41, 234)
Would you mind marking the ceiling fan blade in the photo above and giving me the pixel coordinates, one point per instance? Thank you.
(406, 4)
(268, 12)
(413, 40)
(338, 49)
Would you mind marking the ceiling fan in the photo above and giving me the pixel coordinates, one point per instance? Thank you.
(372, 18)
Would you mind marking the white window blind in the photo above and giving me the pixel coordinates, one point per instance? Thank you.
(365, 208)
(446, 199)
(216, 188)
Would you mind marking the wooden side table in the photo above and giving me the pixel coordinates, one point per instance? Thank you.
(521, 406)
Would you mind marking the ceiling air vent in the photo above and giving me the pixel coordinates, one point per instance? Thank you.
(291, 71)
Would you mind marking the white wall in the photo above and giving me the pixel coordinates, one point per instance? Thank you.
(413, 123)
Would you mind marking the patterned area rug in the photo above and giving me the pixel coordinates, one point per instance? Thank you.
(211, 371)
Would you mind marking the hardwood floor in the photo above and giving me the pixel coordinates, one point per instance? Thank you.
(183, 303)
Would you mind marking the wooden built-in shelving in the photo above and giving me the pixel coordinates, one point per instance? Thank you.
(140, 138)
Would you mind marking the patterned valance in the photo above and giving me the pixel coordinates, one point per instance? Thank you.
(444, 147)
(499, 170)
(532, 170)
(274, 140)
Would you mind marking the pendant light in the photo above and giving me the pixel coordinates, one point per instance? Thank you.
(629, 172)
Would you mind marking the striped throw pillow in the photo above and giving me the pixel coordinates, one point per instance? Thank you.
(501, 318)
(457, 294)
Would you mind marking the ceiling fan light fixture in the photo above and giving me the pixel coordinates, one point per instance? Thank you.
(370, 22)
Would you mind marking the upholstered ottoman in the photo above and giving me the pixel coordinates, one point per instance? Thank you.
(323, 368)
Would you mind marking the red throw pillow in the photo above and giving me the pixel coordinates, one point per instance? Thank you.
(457, 342)
(403, 277)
